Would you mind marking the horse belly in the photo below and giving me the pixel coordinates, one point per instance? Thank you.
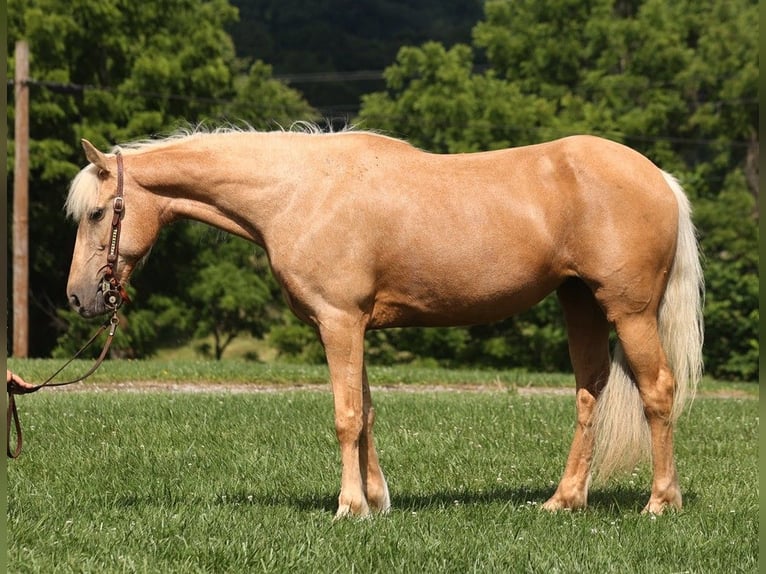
(467, 295)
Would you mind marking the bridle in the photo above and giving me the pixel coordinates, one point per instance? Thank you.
(112, 290)
(114, 294)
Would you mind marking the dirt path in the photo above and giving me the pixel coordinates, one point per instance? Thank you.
(235, 388)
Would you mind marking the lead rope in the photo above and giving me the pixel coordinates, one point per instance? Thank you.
(16, 387)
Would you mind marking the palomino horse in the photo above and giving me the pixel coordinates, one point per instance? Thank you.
(364, 231)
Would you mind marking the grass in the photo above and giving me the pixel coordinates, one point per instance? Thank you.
(242, 371)
(221, 482)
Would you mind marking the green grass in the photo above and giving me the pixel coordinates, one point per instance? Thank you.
(242, 371)
(222, 482)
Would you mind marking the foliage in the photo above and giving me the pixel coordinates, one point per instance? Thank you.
(265, 103)
(731, 271)
(668, 79)
(113, 72)
(229, 293)
(226, 289)
(296, 341)
(441, 105)
(674, 80)
(337, 36)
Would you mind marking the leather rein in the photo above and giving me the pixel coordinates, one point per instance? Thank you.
(114, 295)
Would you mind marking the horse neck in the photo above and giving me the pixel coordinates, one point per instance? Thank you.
(223, 181)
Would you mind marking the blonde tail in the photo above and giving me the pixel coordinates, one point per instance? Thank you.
(621, 433)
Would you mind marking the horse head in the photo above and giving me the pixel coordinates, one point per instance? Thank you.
(118, 222)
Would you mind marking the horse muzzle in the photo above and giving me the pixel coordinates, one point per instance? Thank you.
(88, 307)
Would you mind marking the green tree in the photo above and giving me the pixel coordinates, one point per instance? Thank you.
(439, 104)
(299, 37)
(112, 71)
(265, 103)
(674, 80)
(230, 293)
(295, 341)
(731, 273)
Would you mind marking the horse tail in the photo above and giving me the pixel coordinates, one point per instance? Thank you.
(620, 429)
(680, 318)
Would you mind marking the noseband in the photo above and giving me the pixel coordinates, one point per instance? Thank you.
(112, 290)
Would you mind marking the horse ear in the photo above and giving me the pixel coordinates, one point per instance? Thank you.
(94, 156)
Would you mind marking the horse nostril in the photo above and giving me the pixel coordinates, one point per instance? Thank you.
(74, 301)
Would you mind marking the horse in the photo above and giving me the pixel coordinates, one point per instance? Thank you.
(364, 231)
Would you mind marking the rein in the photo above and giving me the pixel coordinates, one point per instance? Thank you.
(114, 295)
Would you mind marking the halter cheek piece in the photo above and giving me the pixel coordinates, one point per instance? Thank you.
(112, 290)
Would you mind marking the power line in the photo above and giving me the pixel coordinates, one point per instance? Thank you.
(344, 110)
(330, 77)
(313, 77)
(72, 88)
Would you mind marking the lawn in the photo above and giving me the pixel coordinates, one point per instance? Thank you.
(224, 481)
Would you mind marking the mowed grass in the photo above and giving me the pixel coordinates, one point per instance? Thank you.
(247, 482)
(289, 375)
(242, 371)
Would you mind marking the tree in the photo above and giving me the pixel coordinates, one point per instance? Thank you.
(436, 100)
(731, 273)
(299, 37)
(113, 72)
(674, 80)
(265, 103)
(230, 293)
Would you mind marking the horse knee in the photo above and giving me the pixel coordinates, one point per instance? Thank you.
(348, 426)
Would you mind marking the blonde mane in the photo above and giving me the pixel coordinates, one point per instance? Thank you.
(301, 127)
(83, 191)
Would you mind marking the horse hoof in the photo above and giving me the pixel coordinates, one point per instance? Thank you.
(380, 503)
(554, 504)
(657, 508)
(346, 511)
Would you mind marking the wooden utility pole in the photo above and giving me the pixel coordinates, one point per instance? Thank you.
(21, 203)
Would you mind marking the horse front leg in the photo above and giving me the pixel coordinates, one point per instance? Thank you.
(343, 341)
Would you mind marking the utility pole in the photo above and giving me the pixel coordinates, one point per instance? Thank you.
(21, 203)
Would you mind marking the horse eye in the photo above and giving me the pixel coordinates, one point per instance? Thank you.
(96, 214)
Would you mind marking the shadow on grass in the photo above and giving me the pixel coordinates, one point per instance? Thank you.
(614, 500)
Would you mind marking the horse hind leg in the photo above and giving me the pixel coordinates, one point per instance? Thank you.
(588, 333)
(640, 340)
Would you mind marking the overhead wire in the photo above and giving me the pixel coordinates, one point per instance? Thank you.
(341, 111)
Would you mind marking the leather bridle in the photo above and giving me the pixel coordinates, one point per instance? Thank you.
(114, 294)
(112, 290)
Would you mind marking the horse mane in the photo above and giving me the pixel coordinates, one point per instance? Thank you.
(84, 187)
(302, 127)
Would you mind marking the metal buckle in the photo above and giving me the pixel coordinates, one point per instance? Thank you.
(112, 299)
(119, 204)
